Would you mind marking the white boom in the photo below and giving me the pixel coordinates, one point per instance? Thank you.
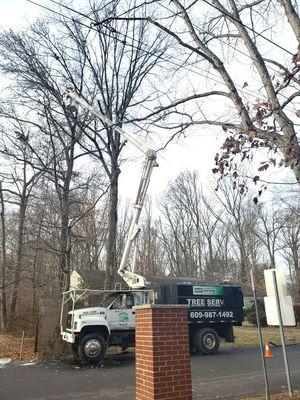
(133, 280)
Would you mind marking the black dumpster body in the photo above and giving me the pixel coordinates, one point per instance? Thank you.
(213, 311)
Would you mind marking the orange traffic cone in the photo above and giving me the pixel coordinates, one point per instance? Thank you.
(268, 353)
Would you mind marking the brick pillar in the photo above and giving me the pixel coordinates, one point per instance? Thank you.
(163, 369)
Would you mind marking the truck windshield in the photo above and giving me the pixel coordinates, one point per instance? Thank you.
(108, 300)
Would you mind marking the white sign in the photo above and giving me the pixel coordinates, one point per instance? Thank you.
(286, 304)
(208, 290)
(281, 284)
(287, 311)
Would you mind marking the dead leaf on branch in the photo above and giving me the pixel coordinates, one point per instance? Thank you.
(296, 58)
(287, 76)
(264, 167)
(255, 179)
(245, 155)
(242, 188)
(261, 105)
(252, 133)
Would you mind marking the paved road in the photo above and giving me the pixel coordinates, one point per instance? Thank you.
(229, 375)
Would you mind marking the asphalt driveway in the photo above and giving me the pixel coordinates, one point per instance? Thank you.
(229, 375)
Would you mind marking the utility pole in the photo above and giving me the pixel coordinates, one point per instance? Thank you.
(263, 361)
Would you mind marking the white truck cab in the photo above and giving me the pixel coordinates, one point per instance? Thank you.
(91, 330)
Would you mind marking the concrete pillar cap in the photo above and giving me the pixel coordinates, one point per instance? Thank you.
(153, 306)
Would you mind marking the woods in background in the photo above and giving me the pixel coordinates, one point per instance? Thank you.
(196, 232)
(141, 66)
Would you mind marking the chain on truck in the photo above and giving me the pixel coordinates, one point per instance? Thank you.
(99, 319)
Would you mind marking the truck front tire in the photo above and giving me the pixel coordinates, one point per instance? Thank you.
(92, 348)
(206, 341)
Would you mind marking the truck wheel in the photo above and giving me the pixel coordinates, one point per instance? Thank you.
(206, 341)
(92, 348)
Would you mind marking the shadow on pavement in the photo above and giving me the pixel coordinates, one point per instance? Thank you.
(110, 361)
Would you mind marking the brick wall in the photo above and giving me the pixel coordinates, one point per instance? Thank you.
(163, 369)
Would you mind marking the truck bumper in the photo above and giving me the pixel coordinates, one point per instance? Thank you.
(68, 337)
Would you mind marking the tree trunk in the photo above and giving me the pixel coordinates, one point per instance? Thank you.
(288, 142)
(244, 263)
(65, 247)
(17, 274)
(49, 339)
(298, 284)
(292, 17)
(290, 148)
(111, 253)
(35, 264)
(3, 306)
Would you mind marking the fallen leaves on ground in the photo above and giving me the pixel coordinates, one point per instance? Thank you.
(246, 335)
(10, 346)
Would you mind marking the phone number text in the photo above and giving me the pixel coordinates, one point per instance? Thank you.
(211, 314)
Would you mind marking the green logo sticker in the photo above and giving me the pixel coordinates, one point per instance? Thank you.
(123, 319)
(208, 290)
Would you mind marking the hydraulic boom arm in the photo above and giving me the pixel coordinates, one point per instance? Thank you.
(134, 281)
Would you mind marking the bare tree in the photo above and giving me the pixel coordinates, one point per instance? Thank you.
(3, 303)
(241, 222)
(180, 228)
(42, 66)
(118, 67)
(19, 185)
(268, 231)
(289, 240)
(151, 254)
(90, 232)
(217, 35)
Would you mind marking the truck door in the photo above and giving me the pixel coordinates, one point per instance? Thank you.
(120, 314)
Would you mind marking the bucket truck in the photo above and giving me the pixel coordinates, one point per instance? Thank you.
(72, 100)
(213, 309)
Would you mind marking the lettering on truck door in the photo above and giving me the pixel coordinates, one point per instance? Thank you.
(119, 315)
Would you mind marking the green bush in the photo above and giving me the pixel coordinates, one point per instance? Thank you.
(246, 312)
(250, 310)
(260, 306)
(251, 318)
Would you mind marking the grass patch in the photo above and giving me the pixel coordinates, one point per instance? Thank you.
(277, 396)
(247, 335)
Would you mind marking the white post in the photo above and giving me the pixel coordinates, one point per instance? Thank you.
(263, 361)
(286, 363)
